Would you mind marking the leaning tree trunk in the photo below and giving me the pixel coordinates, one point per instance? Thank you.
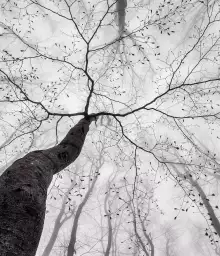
(213, 218)
(23, 192)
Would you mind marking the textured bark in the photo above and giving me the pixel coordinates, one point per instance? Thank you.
(23, 192)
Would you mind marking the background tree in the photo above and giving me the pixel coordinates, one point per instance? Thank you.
(62, 217)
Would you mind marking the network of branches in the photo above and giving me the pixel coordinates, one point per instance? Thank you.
(148, 71)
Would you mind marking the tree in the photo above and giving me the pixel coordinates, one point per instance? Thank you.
(71, 250)
(188, 176)
(23, 189)
(60, 220)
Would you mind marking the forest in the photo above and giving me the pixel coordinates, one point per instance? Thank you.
(109, 127)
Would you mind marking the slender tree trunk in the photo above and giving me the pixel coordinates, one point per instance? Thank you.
(71, 247)
(58, 224)
(110, 231)
(147, 236)
(139, 239)
(53, 239)
(23, 192)
(208, 206)
(121, 9)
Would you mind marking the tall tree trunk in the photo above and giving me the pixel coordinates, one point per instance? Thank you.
(71, 250)
(58, 224)
(71, 246)
(147, 236)
(23, 192)
(205, 201)
(139, 239)
(110, 231)
(121, 9)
